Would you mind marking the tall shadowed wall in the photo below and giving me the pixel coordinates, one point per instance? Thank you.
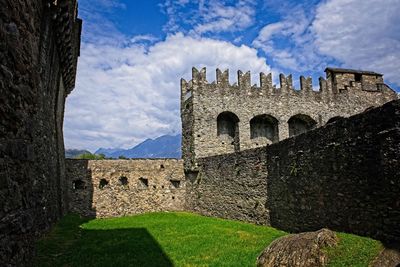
(39, 46)
(344, 176)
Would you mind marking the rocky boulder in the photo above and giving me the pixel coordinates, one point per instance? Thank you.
(389, 256)
(304, 249)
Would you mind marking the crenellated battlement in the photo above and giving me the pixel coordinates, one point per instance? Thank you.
(244, 81)
(337, 82)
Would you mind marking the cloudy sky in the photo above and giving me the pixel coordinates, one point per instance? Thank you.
(134, 53)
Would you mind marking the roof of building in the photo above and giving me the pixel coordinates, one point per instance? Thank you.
(339, 70)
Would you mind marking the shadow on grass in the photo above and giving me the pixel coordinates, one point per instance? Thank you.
(70, 245)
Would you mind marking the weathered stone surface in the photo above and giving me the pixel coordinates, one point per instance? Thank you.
(389, 257)
(128, 187)
(343, 176)
(303, 250)
(232, 186)
(341, 95)
(33, 86)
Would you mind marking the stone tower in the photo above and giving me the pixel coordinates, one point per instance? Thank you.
(219, 118)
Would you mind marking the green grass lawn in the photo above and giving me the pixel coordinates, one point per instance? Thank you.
(174, 239)
(353, 250)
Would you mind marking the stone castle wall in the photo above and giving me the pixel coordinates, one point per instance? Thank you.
(110, 188)
(39, 41)
(231, 186)
(35, 78)
(343, 176)
(203, 102)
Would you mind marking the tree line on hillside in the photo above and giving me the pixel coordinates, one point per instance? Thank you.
(96, 156)
(84, 154)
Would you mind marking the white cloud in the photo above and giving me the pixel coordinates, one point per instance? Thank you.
(97, 26)
(220, 17)
(214, 16)
(361, 34)
(270, 30)
(350, 33)
(174, 13)
(111, 4)
(289, 42)
(143, 38)
(125, 94)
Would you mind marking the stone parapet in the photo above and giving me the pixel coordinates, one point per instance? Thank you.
(111, 188)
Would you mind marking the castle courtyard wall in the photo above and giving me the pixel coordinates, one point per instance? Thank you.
(35, 78)
(231, 186)
(133, 186)
(343, 176)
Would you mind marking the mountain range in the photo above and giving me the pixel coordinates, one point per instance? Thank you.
(166, 146)
(73, 153)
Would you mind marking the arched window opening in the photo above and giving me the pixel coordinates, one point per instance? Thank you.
(333, 119)
(123, 180)
(78, 185)
(227, 124)
(103, 183)
(264, 126)
(300, 123)
(228, 127)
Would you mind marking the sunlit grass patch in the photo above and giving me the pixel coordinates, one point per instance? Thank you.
(353, 250)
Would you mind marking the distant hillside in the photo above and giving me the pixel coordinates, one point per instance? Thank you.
(166, 146)
(108, 151)
(73, 153)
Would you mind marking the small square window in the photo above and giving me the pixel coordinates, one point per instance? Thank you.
(103, 183)
(143, 182)
(78, 185)
(123, 180)
(175, 183)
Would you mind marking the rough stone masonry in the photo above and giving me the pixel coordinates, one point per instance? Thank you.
(220, 118)
(111, 188)
(343, 176)
(240, 164)
(39, 47)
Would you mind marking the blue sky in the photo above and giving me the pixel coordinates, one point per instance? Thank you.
(134, 53)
